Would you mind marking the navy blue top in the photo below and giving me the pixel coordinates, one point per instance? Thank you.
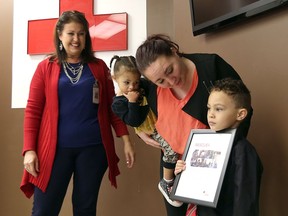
(78, 124)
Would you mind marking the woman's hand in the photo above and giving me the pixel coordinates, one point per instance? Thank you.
(129, 151)
(148, 140)
(180, 166)
(31, 163)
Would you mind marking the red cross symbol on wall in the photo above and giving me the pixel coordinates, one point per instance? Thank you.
(107, 31)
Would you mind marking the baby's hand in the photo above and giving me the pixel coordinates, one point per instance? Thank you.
(180, 166)
(132, 96)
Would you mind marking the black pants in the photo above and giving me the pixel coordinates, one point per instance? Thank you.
(87, 165)
(171, 210)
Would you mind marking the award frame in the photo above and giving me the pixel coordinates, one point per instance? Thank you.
(206, 155)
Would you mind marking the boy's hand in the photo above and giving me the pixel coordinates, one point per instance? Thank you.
(180, 166)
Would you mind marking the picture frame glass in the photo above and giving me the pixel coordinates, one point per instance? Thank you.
(206, 155)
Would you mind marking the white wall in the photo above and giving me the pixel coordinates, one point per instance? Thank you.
(24, 65)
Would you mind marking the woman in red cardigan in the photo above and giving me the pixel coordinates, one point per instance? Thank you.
(67, 124)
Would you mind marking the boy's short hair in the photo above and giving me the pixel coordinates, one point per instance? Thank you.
(236, 89)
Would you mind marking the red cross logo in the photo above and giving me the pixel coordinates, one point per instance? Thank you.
(107, 31)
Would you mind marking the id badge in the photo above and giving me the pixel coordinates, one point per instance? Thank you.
(95, 93)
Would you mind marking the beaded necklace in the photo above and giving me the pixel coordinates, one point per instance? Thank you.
(75, 70)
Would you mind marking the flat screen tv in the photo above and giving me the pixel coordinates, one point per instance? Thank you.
(210, 15)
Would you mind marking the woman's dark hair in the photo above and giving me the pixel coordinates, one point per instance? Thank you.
(66, 17)
(129, 62)
(154, 46)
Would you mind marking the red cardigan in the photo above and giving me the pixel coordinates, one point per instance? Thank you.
(41, 121)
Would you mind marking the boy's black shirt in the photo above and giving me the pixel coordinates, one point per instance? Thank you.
(240, 190)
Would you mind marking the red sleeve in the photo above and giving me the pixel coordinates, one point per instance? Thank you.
(34, 109)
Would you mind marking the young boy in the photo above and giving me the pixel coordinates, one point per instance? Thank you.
(228, 105)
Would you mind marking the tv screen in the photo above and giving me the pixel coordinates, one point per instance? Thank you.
(209, 15)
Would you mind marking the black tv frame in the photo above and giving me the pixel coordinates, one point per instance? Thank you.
(236, 16)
